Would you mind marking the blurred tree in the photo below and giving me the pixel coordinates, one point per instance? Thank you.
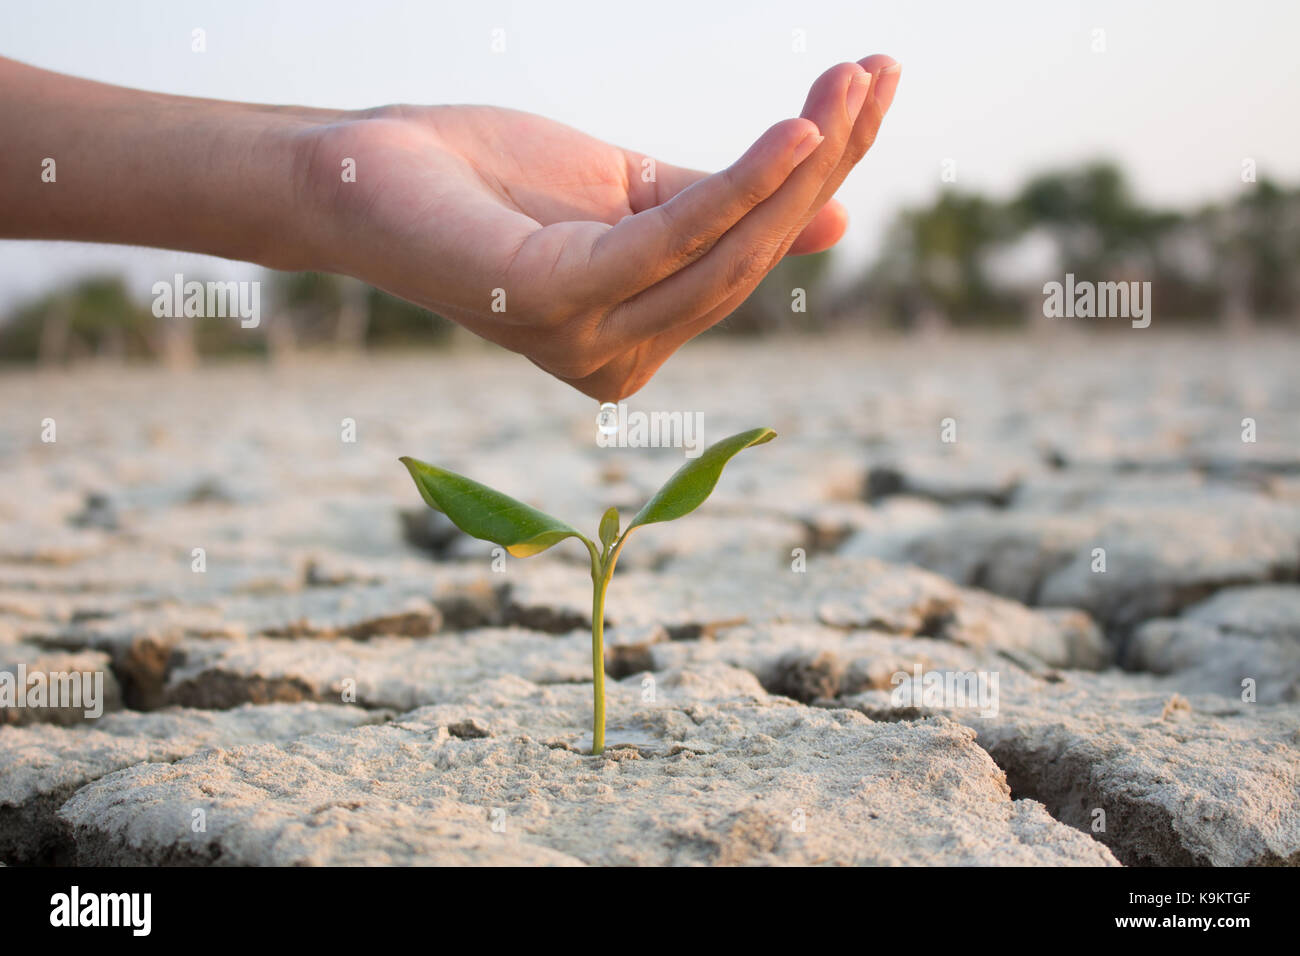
(317, 308)
(1233, 261)
(96, 317)
(354, 316)
(791, 296)
(1099, 229)
(934, 266)
(1257, 244)
(305, 312)
(395, 323)
(939, 265)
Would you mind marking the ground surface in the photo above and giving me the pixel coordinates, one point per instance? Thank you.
(350, 681)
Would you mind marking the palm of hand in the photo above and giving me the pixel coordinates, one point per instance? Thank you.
(548, 241)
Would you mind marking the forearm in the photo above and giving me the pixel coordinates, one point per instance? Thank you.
(147, 169)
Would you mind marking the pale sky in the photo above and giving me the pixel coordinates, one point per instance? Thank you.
(1183, 92)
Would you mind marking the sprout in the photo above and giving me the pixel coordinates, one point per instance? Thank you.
(524, 531)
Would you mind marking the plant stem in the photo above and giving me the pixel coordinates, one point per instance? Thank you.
(602, 569)
(599, 582)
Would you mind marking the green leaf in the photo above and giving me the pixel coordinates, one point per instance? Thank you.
(688, 488)
(479, 511)
(609, 527)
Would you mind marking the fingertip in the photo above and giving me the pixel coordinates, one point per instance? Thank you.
(789, 133)
(832, 86)
(794, 139)
(804, 148)
(804, 127)
(847, 72)
(878, 63)
(887, 72)
(837, 215)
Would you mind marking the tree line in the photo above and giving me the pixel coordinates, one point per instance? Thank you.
(962, 259)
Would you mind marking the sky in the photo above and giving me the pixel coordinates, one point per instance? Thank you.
(1178, 91)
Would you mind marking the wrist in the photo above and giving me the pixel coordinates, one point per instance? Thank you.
(321, 158)
(336, 188)
(243, 184)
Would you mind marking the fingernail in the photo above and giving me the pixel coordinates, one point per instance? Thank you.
(806, 145)
(886, 84)
(857, 95)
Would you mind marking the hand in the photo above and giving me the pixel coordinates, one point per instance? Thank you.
(597, 276)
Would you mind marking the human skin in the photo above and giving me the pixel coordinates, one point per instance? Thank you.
(602, 275)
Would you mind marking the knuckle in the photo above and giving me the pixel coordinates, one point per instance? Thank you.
(858, 148)
(685, 244)
(748, 267)
(687, 247)
(746, 191)
(827, 164)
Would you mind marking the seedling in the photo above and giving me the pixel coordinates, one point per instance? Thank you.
(524, 531)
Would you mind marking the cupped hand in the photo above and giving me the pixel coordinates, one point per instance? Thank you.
(554, 245)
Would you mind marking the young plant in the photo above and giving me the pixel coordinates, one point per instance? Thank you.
(524, 531)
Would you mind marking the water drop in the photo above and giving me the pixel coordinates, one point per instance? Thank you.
(607, 419)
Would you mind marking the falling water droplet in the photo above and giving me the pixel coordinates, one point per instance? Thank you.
(607, 419)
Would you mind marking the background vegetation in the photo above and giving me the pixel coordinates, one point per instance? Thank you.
(963, 259)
